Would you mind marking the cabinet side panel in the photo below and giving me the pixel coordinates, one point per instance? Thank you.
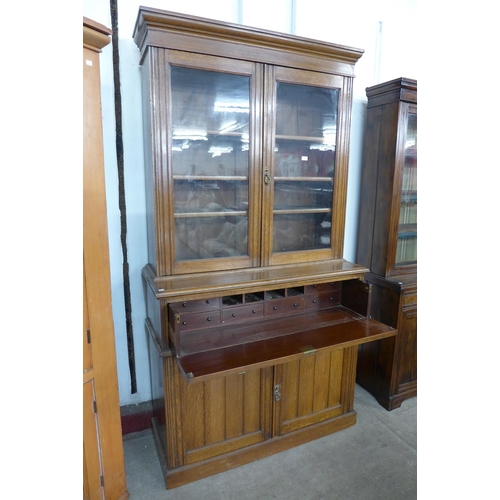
(375, 359)
(385, 189)
(341, 168)
(148, 167)
(368, 194)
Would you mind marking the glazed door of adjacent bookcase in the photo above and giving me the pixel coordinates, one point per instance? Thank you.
(214, 143)
(304, 168)
(405, 255)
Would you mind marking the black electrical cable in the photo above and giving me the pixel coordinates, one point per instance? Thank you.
(121, 194)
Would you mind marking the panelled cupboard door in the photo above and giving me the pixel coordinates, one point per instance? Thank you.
(309, 391)
(249, 162)
(225, 414)
(407, 347)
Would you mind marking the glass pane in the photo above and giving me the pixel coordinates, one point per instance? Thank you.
(304, 195)
(406, 252)
(210, 237)
(304, 164)
(210, 143)
(296, 232)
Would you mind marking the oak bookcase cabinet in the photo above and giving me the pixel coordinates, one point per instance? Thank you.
(253, 316)
(387, 241)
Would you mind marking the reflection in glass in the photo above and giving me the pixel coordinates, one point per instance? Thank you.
(297, 232)
(210, 144)
(300, 195)
(406, 252)
(210, 237)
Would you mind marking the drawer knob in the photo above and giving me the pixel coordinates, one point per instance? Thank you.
(295, 305)
(184, 304)
(233, 315)
(209, 319)
(314, 301)
(275, 308)
(207, 301)
(184, 323)
(254, 311)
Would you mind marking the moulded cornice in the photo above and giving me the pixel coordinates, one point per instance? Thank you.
(95, 35)
(151, 22)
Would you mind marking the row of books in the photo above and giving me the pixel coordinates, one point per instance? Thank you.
(408, 212)
(410, 177)
(406, 250)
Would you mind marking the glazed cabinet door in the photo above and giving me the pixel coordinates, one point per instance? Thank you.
(224, 414)
(313, 389)
(406, 241)
(249, 163)
(211, 112)
(304, 166)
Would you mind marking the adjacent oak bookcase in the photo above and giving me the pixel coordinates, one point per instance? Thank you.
(253, 316)
(387, 238)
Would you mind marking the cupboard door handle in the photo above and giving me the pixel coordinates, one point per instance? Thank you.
(277, 393)
(267, 179)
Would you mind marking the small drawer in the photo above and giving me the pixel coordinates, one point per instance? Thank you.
(322, 287)
(283, 306)
(322, 300)
(202, 319)
(197, 305)
(240, 313)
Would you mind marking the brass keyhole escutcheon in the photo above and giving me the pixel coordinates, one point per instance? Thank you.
(267, 178)
(277, 393)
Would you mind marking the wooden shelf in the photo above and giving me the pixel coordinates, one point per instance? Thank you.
(222, 213)
(187, 177)
(304, 179)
